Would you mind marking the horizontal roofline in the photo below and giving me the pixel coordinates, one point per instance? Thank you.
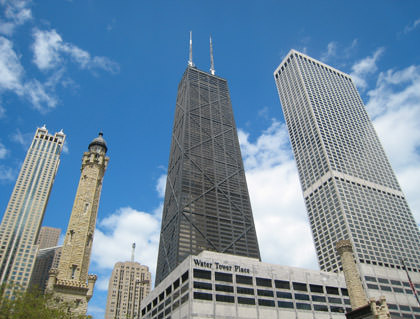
(293, 51)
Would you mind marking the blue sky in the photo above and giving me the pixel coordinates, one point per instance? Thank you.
(85, 66)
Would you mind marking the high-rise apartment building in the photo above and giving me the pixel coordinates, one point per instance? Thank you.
(349, 187)
(24, 213)
(48, 237)
(206, 204)
(70, 282)
(129, 283)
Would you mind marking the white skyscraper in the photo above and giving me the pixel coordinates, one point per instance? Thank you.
(129, 283)
(349, 187)
(24, 213)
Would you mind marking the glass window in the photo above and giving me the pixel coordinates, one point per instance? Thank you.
(176, 284)
(283, 294)
(304, 306)
(203, 274)
(263, 292)
(334, 300)
(301, 297)
(244, 290)
(244, 279)
(185, 276)
(372, 286)
(225, 288)
(318, 298)
(265, 282)
(246, 301)
(316, 288)
(221, 276)
(265, 302)
(332, 290)
(282, 284)
(225, 298)
(320, 308)
(337, 309)
(203, 285)
(285, 304)
(202, 296)
(299, 286)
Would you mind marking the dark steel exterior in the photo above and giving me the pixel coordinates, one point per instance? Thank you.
(207, 204)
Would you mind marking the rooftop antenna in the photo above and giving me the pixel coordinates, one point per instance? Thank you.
(190, 62)
(212, 70)
(132, 251)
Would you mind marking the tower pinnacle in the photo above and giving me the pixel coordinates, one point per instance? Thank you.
(133, 249)
(212, 70)
(190, 61)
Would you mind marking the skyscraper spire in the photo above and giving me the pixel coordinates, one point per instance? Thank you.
(132, 251)
(212, 70)
(190, 61)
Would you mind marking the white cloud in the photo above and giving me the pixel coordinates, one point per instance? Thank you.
(365, 67)
(47, 47)
(102, 283)
(11, 70)
(394, 105)
(2, 112)
(50, 50)
(270, 149)
(37, 94)
(66, 149)
(7, 174)
(23, 139)
(3, 151)
(116, 233)
(331, 51)
(279, 212)
(11, 79)
(412, 26)
(161, 185)
(16, 13)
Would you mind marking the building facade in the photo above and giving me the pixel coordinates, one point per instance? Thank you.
(22, 219)
(206, 204)
(129, 284)
(215, 285)
(48, 237)
(46, 259)
(70, 282)
(349, 187)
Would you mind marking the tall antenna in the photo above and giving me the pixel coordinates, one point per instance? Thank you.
(132, 251)
(190, 62)
(212, 70)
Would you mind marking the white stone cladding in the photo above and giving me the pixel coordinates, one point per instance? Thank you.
(310, 293)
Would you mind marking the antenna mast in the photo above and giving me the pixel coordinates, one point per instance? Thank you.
(132, 251)
(190, 62)
(212, 70)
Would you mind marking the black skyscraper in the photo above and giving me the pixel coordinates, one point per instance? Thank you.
(207, 203)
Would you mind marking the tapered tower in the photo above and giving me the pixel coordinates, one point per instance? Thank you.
(207, 204)
(70, 282)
